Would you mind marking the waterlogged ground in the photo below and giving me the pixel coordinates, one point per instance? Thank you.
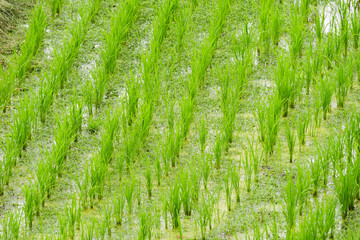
(258, 210)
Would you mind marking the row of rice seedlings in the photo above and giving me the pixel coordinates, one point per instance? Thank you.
(139, 126)
(120, 24)
(64, 57)
(200, 61)
(20, 66)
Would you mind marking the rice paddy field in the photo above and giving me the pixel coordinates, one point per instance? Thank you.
(180, 119)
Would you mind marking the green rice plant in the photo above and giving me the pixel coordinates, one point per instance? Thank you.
(344, 23)
(129, 193)
(158, 168)
(325, 160)
(22, 124)
(63, 226)
(3, 174)
(97, 172)
(185, 186)
(235, 181)
(331, 48)
(355, 28)
(346, 187)
(265, 7)
(45, 97)
(118, 203)
(133, 95)
(72, 215)
(296, 33)
(218, 151)
(290, 139)
(34, 35)
(146, 222)
(43, 178)
(255, 155)
(205, 209)
(305, 9)
(302, 126)
(285, 80)
(7, 86)
(319, 25)
(326, 217)
(325, 88)
(186, 115)
(148, 176)
(271, 112)
(174, 203)
(181, 21)
(202, 135)
(205, 164)
(108, 213)
(228, 189)
(276, 28)
(31, 205)
(56, 6)
(88, 229)
(289, 204)
(108, 136)
(10, 225)
(248, 169)
(343, 83)
(303, 185)
(195, 176)
(316, 172)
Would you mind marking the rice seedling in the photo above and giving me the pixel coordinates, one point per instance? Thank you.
(34, 35)
(7, 86)
(181, 21)
(158, 168)
(305, 8)
(248, 169)
(302, 126)
(344, 24)
(174, 203)
(303, 183)
(148, 176)
(276, 28)
(316, 172)
(31, 206)
(185, 186)
(195, 177)
(205, 210)
(202, 135)
(56, 6)
(355, 28)
(129, 193)
(205, 164)
(289, 204)
(43, 178)
(108, 137)
(268, 116)
(133, 94)
(146, 222)
(255, 155)
(346, 187)
(218, 151)
(296, 33)
(97, 171)
(285, 83)
(45, 97)
(324, 158)
(88, 229)
(290, 139)
(325, 88)
(22, 124)
(118, 203)
(326, 218)
(10, 224)
(228, 189)
(343, 80)
(264, 15)
(319, 26)
(235, 181)
(107, 214)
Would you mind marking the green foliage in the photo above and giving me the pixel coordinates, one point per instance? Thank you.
(10, 225)
(290, 139)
